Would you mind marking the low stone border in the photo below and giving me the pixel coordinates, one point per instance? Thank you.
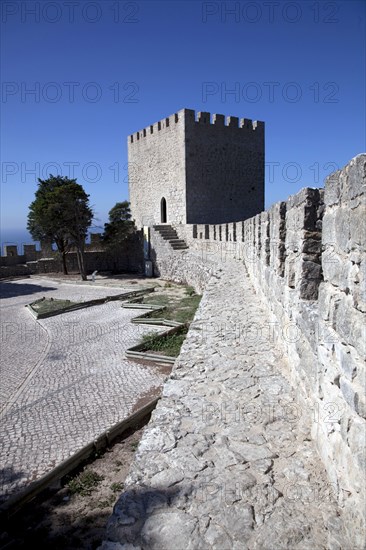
(136, 352)
(15, 502)
(145, 319)
(88, 303)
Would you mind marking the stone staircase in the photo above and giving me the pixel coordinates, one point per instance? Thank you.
(169, 234)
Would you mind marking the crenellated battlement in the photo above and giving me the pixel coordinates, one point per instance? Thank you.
(47, 260)
(189, 116)
(152, 129)
(31, 253)
(204, 117)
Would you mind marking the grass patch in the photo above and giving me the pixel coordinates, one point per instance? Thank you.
(117, 487)
(190, 291)
(85, 483)
(180, 310)
(48, 305)
(158, 299)
(165, 345)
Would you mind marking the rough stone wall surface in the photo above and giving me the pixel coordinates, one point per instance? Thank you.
(47, 261)
(207, 171)
(156, 169)
(342, 335)
(100, 261)
(225, 168)
(13, 260)
(306, 258)
(14, 271)
(179, 266)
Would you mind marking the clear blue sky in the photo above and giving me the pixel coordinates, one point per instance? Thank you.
(100, 74)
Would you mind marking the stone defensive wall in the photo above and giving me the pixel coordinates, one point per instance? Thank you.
(47, 260)
(306, 258)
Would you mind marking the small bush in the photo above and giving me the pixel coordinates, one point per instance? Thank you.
(85, 483)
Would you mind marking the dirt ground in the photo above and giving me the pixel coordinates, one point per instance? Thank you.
(58, 519)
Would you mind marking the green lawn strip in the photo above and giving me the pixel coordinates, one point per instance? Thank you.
(47, 307)
(179, 310)
(156, 299)
(169, 344)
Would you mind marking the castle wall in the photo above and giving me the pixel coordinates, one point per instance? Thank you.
(96, 258)
(156, 169)
(225, 168)
(186, 267)
(306, 257)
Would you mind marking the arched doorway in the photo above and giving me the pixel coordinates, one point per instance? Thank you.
(163, 217)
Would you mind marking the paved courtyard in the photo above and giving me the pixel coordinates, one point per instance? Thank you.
(64, 379)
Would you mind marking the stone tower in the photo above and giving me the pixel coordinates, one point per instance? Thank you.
(190, 169)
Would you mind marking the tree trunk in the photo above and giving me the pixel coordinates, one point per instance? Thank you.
(80, 258)
(64, 266)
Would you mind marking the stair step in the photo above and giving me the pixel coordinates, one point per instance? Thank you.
(168, 233)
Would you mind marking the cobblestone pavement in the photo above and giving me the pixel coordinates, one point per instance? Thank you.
(226, 461)
(64, 379)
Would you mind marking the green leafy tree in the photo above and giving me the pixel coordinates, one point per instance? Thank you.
(62, 215)
(120, 226)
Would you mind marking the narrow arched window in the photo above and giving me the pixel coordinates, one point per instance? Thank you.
(163, 216)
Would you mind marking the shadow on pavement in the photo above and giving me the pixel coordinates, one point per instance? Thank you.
(10, 290)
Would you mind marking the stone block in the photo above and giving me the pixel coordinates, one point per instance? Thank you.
(328, 229)
(342, 459)
(357, 442)
(356, 182)
(332, 264)
(350, 325)
(361, 404)
(311, 270)
(342, 228)
(311, 243)
(310, 217)
(347, 364)
(310, 279)
(307, 195)
(324, 300)
(348, 392)
(357, 227)
(332, 190)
